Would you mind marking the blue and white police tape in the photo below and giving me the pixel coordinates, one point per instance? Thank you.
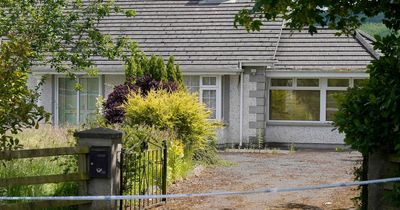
(266, 190)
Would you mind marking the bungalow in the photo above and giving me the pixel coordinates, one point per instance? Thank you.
(272, 85)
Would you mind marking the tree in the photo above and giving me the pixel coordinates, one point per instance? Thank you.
(142, 75)
(345, 16)
(368, 116)
(60, 34)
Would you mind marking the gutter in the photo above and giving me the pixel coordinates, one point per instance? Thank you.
(241, 107)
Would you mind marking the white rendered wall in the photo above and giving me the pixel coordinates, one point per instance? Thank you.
(47, 94)
(46, 97)
(230, 132)
(303, 134)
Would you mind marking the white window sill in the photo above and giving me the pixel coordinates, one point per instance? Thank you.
(299, 123)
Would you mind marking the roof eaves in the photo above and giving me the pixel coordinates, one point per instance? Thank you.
(317, 69)
(365, 44)
(366, 35)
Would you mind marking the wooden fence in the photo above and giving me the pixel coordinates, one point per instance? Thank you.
(81, 176)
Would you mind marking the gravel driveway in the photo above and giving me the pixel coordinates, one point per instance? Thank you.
(252, 171)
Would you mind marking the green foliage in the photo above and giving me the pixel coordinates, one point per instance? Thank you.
(292, 148)
(57, 32)
(208, 155)
(44, 137)
(177, 111)
(375, 29)
(137, 65)
(130, 13)
(393, 196)
(60, 34)
(153, 71)
(138, 136)
(18, 108)
(260, 138)
(176, 117)
(172, 70)
(310, 14)
(370, 115)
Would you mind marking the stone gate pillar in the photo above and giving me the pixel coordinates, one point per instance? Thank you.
(102, 164)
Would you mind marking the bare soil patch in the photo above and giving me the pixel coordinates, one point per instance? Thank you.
(253, 171)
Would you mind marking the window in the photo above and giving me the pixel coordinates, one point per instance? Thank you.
(192, 83)
(76, 107)
(281, 82)
(294, 105)
(307, 82)
(208, 88)
(291, 103)
(338, 83)
(306, 99)
(334, 88)
(331, 106)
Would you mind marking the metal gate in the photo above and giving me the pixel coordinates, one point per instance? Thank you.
(144, 173)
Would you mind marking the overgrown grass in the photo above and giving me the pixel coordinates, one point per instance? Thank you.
(44, 137)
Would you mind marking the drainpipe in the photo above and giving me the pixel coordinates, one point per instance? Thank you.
(241, 108)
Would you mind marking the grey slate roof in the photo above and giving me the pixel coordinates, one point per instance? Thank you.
(202, 38)
(324, 50)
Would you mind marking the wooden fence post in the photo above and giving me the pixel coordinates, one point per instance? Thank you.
(102, 164)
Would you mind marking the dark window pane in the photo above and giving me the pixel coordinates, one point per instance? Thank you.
(210, 81)
(301, 105)
(192, 83)
(282, 82)
(209, 97)
(338, 82)
(67, 101)
(331, 106)
(308, 82)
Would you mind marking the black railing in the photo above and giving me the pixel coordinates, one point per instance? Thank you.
(144, 173)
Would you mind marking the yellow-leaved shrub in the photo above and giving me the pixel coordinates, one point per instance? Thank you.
(178, 111)
(137, 136)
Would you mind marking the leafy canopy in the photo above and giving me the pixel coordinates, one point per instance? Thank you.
(61, 34)
(343, 15)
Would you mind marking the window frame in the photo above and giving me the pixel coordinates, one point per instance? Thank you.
(293, 87)
(216, 87)
(323, 88)
(57, 91)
